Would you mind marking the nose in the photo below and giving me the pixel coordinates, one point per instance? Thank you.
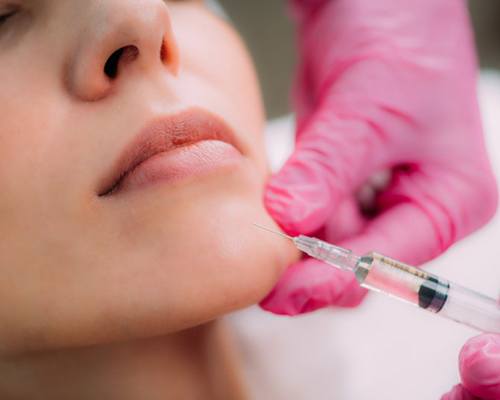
(120, 38)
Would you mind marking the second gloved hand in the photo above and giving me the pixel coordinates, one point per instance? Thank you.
(479, 369)
(383, 85)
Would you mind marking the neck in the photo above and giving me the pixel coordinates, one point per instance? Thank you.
(197, 363)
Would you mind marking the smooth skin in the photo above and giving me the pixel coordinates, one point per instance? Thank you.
(109, 274)
(80, 271)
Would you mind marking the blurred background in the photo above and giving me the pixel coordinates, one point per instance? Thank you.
(326, 355)
(269, 35)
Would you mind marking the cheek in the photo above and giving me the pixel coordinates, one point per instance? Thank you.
(24, 135)
(202, 259)
(218, 65)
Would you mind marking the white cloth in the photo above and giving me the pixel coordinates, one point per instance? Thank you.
(384, 349)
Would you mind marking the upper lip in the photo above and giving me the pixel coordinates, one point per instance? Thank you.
(164, 134)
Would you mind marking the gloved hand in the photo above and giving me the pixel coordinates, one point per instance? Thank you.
(383, 85)
(480, 370)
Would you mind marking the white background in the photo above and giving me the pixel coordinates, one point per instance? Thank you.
(383, 349)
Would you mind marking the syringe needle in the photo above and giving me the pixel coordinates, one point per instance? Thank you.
(273, 231)
(385, 275)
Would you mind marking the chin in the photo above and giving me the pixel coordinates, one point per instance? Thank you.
(156, 261)
(193, 249)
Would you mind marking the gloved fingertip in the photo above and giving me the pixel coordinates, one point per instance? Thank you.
(458, 393)
(310, 285)
(297, 207)
(480, 366)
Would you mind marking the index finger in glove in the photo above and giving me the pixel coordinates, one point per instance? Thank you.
(335, 154)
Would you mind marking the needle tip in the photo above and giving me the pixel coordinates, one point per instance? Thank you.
(273, 231)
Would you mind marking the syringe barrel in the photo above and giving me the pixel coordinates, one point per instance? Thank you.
(471, 308)
(427, 291)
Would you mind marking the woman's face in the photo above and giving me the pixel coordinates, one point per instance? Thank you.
(131, 172)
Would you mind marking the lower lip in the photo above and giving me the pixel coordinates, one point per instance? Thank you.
(176, 165)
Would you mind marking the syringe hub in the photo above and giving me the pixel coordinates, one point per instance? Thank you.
(329, 253)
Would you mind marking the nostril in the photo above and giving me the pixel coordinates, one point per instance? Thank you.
(111, 66)
(123, 55)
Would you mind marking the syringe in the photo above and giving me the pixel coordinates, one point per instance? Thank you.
(404, 282)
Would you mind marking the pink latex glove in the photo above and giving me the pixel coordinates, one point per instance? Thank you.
(480, 370)
(385, 84)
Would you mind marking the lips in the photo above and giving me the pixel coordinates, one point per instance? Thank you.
(169, 149)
